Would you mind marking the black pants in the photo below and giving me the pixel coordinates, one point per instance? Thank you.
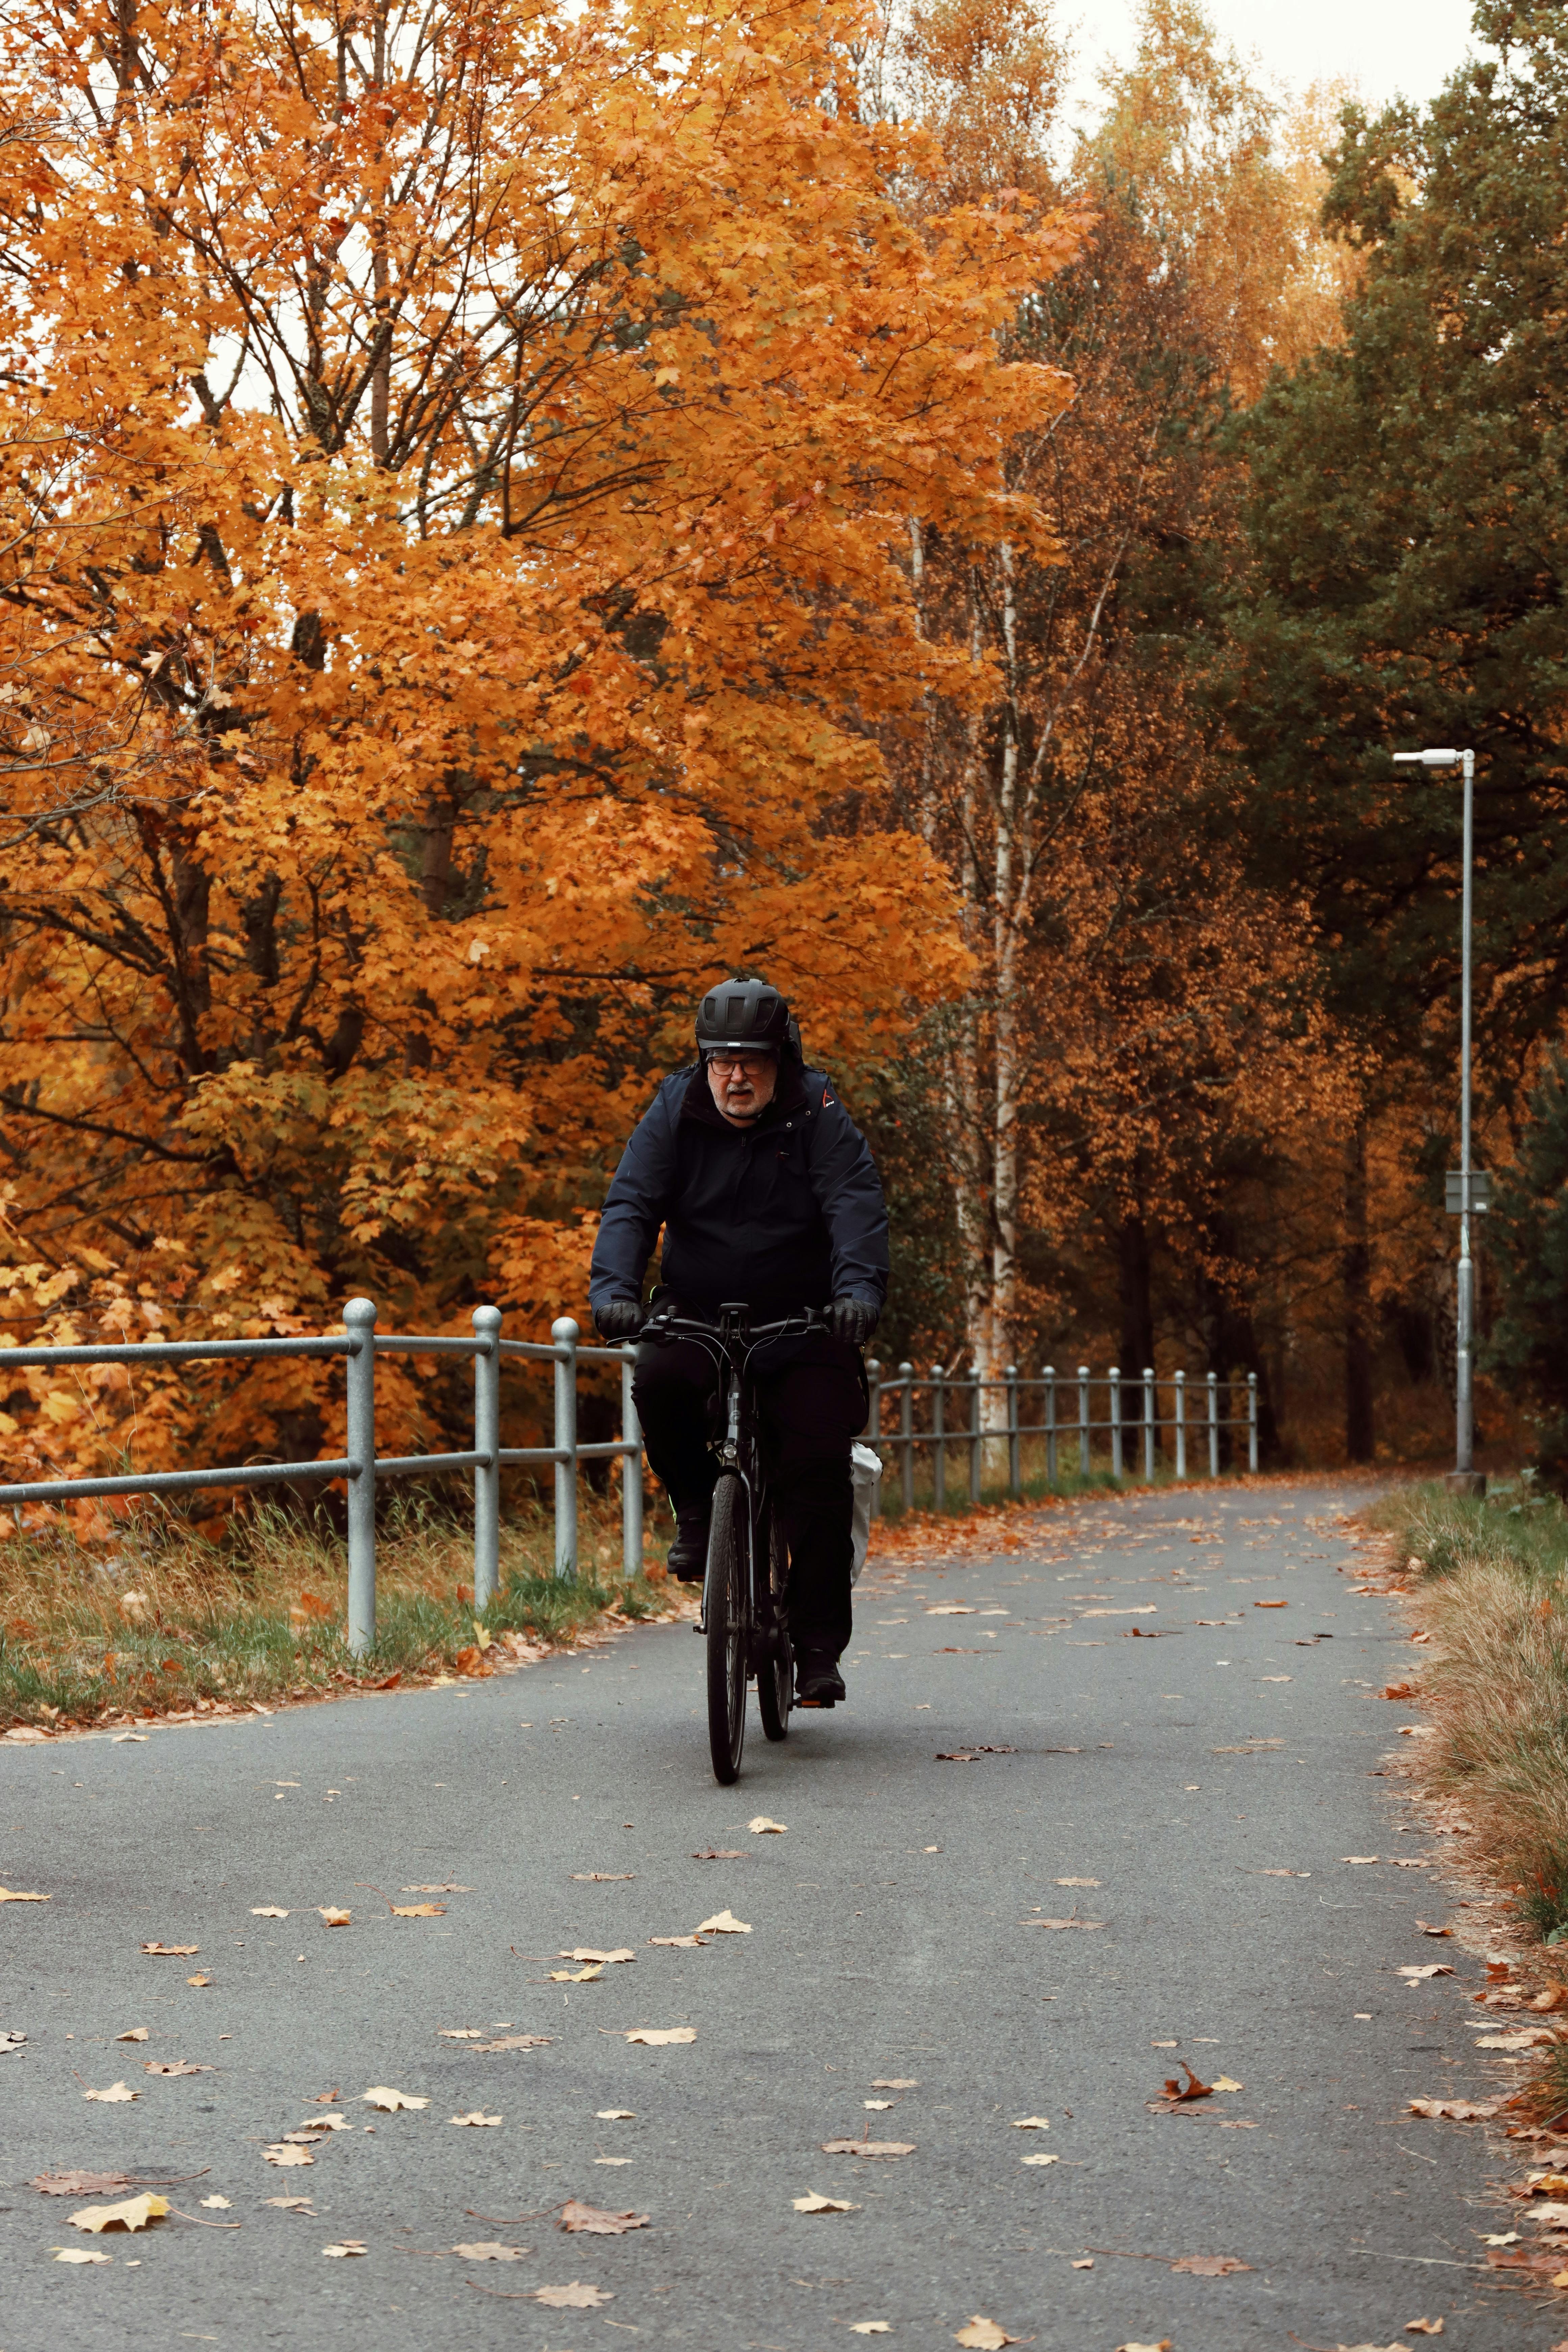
(810, 1407)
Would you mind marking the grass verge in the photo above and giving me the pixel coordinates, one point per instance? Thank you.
(1492, 1574)
(166, 1625)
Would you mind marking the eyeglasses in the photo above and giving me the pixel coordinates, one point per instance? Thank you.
(747, 1064)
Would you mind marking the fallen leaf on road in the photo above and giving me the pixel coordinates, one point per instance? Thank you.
(292, 2204)
(1078, 1882)
(198, 1980)
(1039, 2160)
(1211, 2265)
(575, 1976)
(1554, 1996)
(1419, 1975)
(114, 2095)
(867, 2147)
(133, 2213)
(332, 1918)
(812, 2202)
(513, 2042)
(1193, 2089)
(1400, 1690)
(761, 1827)
(78, 2254)
(657, 2037)
(983, 2335)
(587, 1878)
(720, 1854)
(877, 2106)
(575, 2297)
(1423, 2327)
(217, 2204)
(606, 1959)
(475, 2118)
(1274, 1678)
(679, 1943)
(1456, 2111)
(871, 2327)
(722, 1923)
(596, 2222)
(1499, 2238)
(414, 1911)
(1165, 2345)
(951, 1609)
(174, 2066)
(9, 1895)
(1224, 2083)
(447, 1886)
(616, 2115)
(1061, 1922)
(1281, 1873)
(1358, 1857)
(1265, 1604)
(461, 2033)
(1426, 1930)
(1031, 2123)
(172, 1951)
(1084, 2263)
(488, 2251)
(612, 2159)
(349, 2246)
(896, 2083)
(1527, 2038)
(266, 1911)
(80, 2184)
(313, 2125)
(389, 2101)
(285, 2153)
(1407, 1862)
(136, 2033)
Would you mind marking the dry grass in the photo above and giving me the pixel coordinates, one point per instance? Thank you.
(161, 1623)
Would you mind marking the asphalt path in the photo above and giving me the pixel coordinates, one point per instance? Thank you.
(1192, 1785)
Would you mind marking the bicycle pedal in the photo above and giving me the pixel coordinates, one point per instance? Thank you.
(816, 1702)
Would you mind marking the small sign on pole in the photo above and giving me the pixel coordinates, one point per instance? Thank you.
(1480, 1185)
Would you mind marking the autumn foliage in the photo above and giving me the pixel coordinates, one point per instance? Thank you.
(451, 465)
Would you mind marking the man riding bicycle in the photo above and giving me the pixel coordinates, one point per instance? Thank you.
(767, 1195)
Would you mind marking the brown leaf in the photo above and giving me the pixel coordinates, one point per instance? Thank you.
(487, 2250)
(573, 2297)
(198, 1980)
(720, 1854)
(332, 1917)
(1426, 1930)
(172, 1951)
(603, 1877)
(1400, 1690)
(589, 1975)
(116, 2095)
(1423, 2327)
(80, 2184)
(658, 2036)
(346, 2249)
(722, 1923)
(136, 2033)
(447, 1886)
(1193, 2089)
(681, 1943)
(381, 2096)
(418, 1910)
(514, 2041)
(471, 1661)
(284, 2154)
(606, 1959)
(867, 2147)
(814, 2202)
(1554, 1996)
(1457, 2111)
(983, 2335)
(175, 2067)
(1272, 1604)
(9, 1895)
(896, 2083)
(292, 2204)
(1421, 1975)
(595, 2221)
(1061, 1922)
(1210, 2265)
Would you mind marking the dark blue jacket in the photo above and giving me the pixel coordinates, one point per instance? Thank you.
(785, 1214)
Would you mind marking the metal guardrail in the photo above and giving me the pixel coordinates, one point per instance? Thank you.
(360, 1345)
(1145, 1420)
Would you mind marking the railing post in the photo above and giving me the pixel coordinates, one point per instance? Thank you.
(631, 1471)
(1115, 1386)
(874, 1425)
(1015, 1445)
(1214, 1424)
(487, 1474)
(1181, 1410)
(975, 1418)
(1252, 1421)
(906, 1430)
(1083, 1437)
(1149, 1413)
(938, 1443)
(1050, 1425)
(563, 1333)
(359, 1322)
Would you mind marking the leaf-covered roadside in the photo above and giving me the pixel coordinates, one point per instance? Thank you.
(173, 1626)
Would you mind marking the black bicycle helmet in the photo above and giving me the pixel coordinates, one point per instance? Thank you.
(742, 1014)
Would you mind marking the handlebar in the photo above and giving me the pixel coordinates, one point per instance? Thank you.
(810, 1319)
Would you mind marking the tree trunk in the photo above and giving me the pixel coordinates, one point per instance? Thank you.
(1356, 1279)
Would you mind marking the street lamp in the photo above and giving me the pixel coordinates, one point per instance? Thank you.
(1469, 1194)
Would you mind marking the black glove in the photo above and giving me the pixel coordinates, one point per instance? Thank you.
(620, 1319)
(853, 1320)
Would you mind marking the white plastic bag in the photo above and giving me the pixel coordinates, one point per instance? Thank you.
(864, 1470)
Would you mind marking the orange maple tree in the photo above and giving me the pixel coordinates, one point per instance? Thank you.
(450, 468)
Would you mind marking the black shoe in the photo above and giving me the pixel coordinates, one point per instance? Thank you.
(817, 1681)
(689, 1552)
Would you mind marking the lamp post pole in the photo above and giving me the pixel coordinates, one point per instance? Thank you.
(1464, 1409)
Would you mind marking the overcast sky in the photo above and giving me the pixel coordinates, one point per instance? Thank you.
(1390, 47)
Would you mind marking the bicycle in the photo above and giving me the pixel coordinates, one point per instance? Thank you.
(743, 1587)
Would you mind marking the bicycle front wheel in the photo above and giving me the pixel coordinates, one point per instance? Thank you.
(725, 1613)
(775, 1672)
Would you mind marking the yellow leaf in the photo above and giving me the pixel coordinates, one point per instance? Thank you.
(133, 2213)
(390, 2100)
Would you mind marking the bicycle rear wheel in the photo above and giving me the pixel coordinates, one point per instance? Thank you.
(725, 1613)
(775, 1673)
